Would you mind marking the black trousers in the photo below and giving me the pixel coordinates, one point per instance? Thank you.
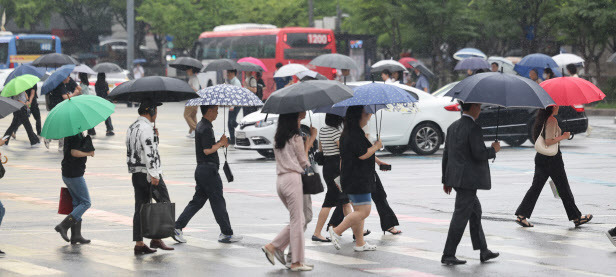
(386, 215)
(549, 167)
(232, 123)
(468, 209)
(36, 113)
(209, 186)
(334, 197)
(142, 196)
(21, 117)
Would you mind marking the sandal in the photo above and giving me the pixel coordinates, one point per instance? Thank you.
(315, 238)
(392, 232)
(520, 221)
(367, 232)
(582, 220)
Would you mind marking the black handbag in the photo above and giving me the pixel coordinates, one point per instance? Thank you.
(319, 158)
(2, 170)
(311, 179)
(157, 219)
(227, 169)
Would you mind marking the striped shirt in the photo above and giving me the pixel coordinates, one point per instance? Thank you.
(328, 137)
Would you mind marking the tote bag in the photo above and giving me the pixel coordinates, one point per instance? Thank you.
(157, 219)
(66, 202)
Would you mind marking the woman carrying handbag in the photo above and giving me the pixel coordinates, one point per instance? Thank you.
(549, 164)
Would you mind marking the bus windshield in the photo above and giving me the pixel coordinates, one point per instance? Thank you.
(262, 47)
(35, 46)
(4, 51)
(306, 46)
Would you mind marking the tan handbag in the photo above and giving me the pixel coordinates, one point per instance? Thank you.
(543, 148)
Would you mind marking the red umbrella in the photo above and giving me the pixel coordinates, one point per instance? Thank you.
(570, 91)
(253, 61)
(405, 61)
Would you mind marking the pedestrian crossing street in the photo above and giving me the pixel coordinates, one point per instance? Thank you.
(409, 254)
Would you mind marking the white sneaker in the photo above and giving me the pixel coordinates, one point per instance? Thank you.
(335, 238)
(229, 239)
(365, 247)
(178, 236)
(191, 134)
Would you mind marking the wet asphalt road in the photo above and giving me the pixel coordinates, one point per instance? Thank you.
(30, 193)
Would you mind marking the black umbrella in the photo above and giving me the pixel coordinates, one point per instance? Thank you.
(107, 68)
(250, 67)
(502, 90)
(222, 64)
(305, 96)
(8, 106)
(160, 89)
(338, 61)
(54, 60)
(184, 63)
(423, 69)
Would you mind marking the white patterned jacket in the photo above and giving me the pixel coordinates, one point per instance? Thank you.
(142, 148)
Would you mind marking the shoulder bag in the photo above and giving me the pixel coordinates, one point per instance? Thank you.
(157, 219)
(311, 179)
(543, 148)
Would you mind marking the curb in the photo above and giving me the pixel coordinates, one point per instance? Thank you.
(601, 112)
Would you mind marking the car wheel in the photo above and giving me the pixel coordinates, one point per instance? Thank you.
(397, 150)
(515, 142)
(426, 138)
(266, 153)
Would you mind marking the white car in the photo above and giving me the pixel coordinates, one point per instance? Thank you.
(421, 129)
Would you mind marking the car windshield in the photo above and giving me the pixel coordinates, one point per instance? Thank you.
(445, 89)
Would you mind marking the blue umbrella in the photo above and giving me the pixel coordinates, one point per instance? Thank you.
(25, 69)
(136, 61)
(472, 64)
(503, 90)
(56, 78)
(341, 111)
(538, 62)
(466, 53)
(226, 95)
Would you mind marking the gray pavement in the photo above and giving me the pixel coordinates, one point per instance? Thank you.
(31, 187)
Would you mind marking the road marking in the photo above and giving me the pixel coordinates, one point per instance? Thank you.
(560, 232)
(230, 261)
(335, 259)
(560, 268)
(603, 246)
(118, 261)
(18, 251)
(524, 251)
(27, 269)
(399, 272)
(412, 252)
(208, 244)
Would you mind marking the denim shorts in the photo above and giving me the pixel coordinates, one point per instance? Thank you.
(361, 199)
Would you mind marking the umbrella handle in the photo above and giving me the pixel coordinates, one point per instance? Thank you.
(571, 137)
(6, 159)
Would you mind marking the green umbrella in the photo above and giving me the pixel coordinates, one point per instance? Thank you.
(19, 84)
(75, 115)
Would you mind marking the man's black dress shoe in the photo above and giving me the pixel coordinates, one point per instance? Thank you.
(451, 260)
(487, 255)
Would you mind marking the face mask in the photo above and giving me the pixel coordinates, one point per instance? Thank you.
(545, 76)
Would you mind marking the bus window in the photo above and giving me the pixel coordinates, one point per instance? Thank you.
(4, 52)
(268, 46)
(297, 40)
(35, 46)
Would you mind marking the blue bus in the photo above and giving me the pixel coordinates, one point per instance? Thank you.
(20, 49)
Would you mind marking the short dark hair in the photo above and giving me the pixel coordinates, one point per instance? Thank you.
(205, 108)
(232, 71)
(278, 65)
(549, 72)
(143, 110)
(386, 71)
(333, 120)
(572, 68)
(495, 63)
(465, 106)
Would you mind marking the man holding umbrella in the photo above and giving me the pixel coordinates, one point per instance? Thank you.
(466, 169)
(16, 89)
(143, 162)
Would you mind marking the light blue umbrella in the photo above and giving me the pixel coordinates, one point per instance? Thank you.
(341, 111)
(56, 78)
(226, 95)
(25, 69)
(466, 53)
(472, 64)
(538, 62)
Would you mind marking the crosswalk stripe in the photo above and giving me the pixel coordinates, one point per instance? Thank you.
(560, 232)
(412, 252)
(118, 261)
(523, 251)
(603, 245)
(560, 268)
(19, 251)
(231, 261)
(399, 272)
(27, 269)
(209, 245)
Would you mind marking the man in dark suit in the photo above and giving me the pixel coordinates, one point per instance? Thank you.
(466, 169)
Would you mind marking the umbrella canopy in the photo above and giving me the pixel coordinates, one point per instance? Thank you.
(250, 67)
(253, 61)
(570, 91)
(184, 63)
(406, 61)
(335, 60)
(341, 111)
(472, 64)
(75, 115)
(8, 106)
(501, 89)
(25, 69)
(503, 63)
(466, 53)
(423, 69)
(138, 61)
(310, 75)
(56, 78)
(161, 89)
(538, 62)
(82, 68)
(226, 95)
(290, 70)
(19, 84)
(563, 60)
(305, 96)
(390, 65)
(107, 68)
(222, 64)
(612, 58)
(377, 94)
(54, 60)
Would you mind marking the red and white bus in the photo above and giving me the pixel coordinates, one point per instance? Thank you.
(266, 42)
